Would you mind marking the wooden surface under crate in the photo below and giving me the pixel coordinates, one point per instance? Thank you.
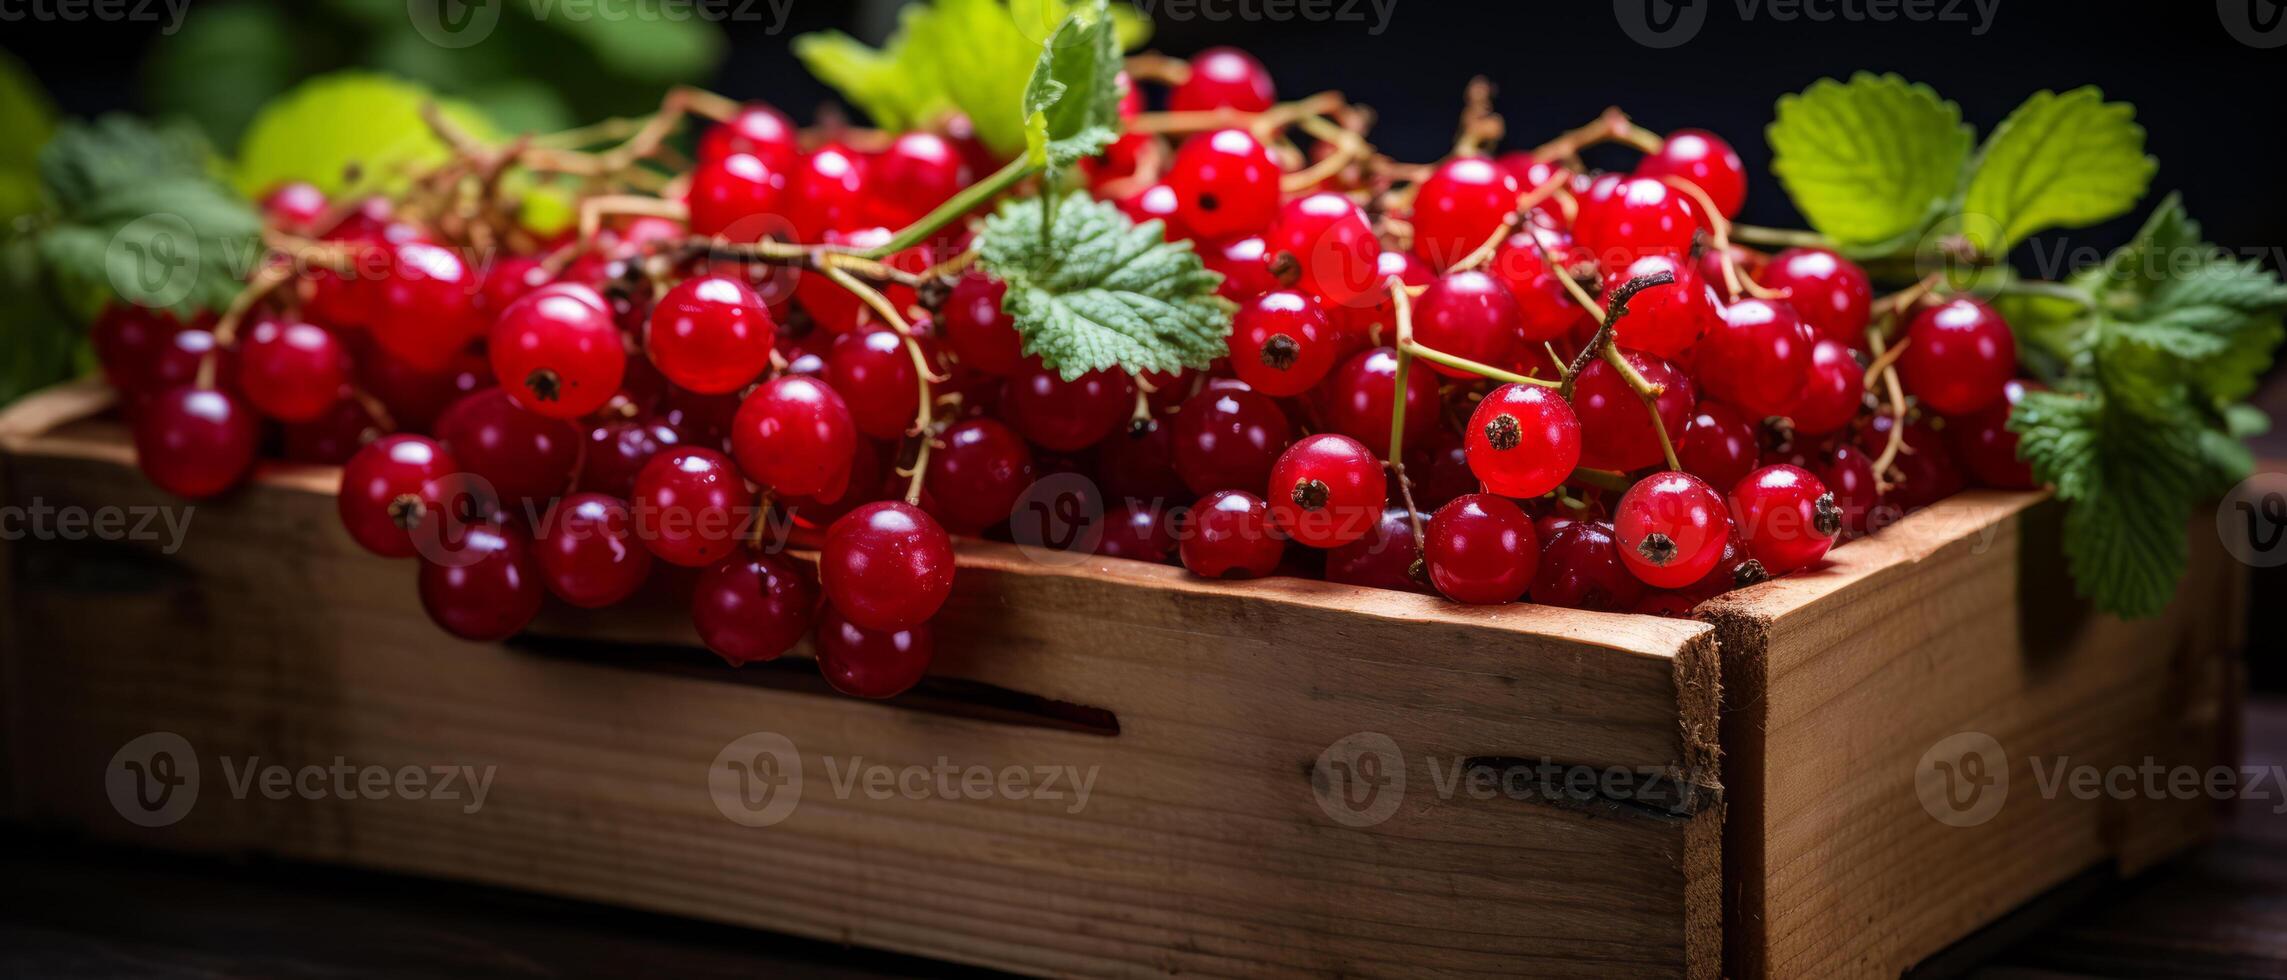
(1204, 708)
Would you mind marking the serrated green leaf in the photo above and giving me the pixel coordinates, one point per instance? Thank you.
(1098, 292)
(179, 243)
(2177, 311)
(28, 121)
(2131, 482)
(86, 163)
(348, 123)
(1871, 162)
(2058, 161)
(1072, 102)
(893, 85)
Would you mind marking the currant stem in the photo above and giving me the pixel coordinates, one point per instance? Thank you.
(1401, 303)
(1410, 346)
(1602, 479)
(970, 198)
(1781, 237)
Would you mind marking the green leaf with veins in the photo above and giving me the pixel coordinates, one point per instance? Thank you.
(2058, 161)
(332, 125)
(1872, 162)
(1099, 292)
(1072, 103)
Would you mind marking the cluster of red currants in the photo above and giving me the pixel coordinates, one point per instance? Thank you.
(527, 426)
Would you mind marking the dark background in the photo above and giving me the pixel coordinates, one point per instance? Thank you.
(2211, 104)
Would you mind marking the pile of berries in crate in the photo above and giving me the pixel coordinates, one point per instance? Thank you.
(1500, 377)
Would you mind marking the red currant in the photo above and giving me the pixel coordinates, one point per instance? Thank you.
(1786, 516)
(1616, 432)
(757, 129)
(1137, 530)
(1228, 534)
(1833, 391)
(1719, 445)
(1665, 320)
(1225, 184)
(1757, 359)
(1546, 310)
(795, 435)
(1848, 472)
(874, 372)
(980, 332)
(1457, 210)
(526, 458)
(887, 566)
(587, 551)
(738, 198)
(1469, 315)
(750, 608)
(1229, 438)
(977, 472)
(1281, 343)
(1140, 465)
(1333, 246)
(488, 589)
(424, 307)
(870, 663)
(1580, 568)
(1161, 203)
(195, 442)
(1326, 490)
(1363, 394)
(1704, 159)
(829, 192)
(1832, 293)
(294, 206)
(711, 335)
(292, 372)
(688, 506)
(912, 176)
(1067, 416)
(559, 351)
(1481, 550)
(1245, 265)
(1640, 217)
(1987, 448)
(1958, 356)
(1385, 558)
(1670, 529)
(389, 487)
(1523, 440)
(1224, 78)
(617, 450)
(333, 437)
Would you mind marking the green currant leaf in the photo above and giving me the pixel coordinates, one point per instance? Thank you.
(347, 124)
(2132, 484)
(1870, 162)
(139, 217)
(2058, 161)
(2179, 311)
(1072, 103)
(893, 85)
(1091, 290)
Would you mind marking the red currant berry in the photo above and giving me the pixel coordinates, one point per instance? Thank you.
(1440, 470)
(195, 442)
(795, 435)
(1987, 448)
(1580, 568)
(1161, 203)
(1281, 343)
(870, 663)
(1833, 392)
(587, 551)
(1362, 396)
(874, 372)
(488, 589)
(1670, 529)
(1224, 78)
(1225, 184)
(1757, 359)
(912, 176)
(1832, 293)
(977, 472)
(1457, 210)
(1333, 247)
(1704, 159)
(980, 332)
(1848, 472)
(128, 340)
(558, 351)
(1229, 438)
(1616, 432)
(1245, 265)
(1138, 530)
(1228, 534)
(423, 308)
(1481, 550)
(292, 372)
(416, 398)
(711, 335)
(389, 487)
(525, 457)
(333, 437)
(750, 608)
(887, 566)
(1469, 315)
(738, 198)
(1546, 310)
(1786, 516)
(617, 451)
(1719, 445)
(1926, 471)
(1067, 416)
(829, 192)
(757, 129)
(295, 206)
(1523, 440)
(689, 506)
(1326, 490)
(1385, 558)
(1665, 320)
(1639, 217)
(1958, 356)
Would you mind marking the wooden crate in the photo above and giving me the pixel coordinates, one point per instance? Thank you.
(1218, 719)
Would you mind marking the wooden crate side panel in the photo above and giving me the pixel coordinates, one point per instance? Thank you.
(1959, 620)
(1202, 848)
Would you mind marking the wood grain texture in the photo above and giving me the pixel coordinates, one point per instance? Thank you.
(1201, 849)
(1959, 619)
